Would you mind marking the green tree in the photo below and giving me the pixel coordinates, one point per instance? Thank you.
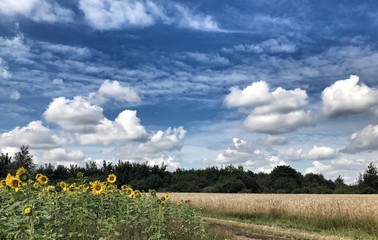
(23, 158)
(369, 179)
(5, 162)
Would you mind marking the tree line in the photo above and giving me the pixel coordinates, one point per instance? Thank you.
(230, 179)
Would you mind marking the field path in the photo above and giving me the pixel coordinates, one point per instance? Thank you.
(243, 231)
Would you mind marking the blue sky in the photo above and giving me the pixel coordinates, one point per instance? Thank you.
(192, 84)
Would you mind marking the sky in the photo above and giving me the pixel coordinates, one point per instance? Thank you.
(192, 84)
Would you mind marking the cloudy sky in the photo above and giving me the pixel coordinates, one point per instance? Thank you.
(192, 84)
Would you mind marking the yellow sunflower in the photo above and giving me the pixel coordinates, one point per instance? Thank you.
(20, 171)
(38, 176)
(2, 183)
(63, 185)
(97, 187)
(111, 178)
(43, 179)
(129, 190)
(27, 210)
(167, 196)
(123, 187)
(13, 181)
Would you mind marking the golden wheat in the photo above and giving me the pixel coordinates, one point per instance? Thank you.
(346, 207)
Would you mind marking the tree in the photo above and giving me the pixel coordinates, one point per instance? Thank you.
(284, 179)
(5, 161)
(24, 159)
(370, 177)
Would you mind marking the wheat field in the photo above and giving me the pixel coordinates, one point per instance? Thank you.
(349, 208)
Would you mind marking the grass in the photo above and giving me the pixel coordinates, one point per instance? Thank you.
(353, 216)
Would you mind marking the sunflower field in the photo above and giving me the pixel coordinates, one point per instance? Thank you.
(31, 208)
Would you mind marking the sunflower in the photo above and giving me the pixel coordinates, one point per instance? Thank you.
(27, 210)
(63, 185)
(20, 171)
(132, 195)
(2, 183)
(38, 176)
(167, 196)
(179, 203)
(24, 176)
(123, 187)
(97, 187)
(13, 181)
(129, 190)
(111, 178)
(43, 179)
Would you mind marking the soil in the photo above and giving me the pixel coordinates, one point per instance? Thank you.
(241, 231)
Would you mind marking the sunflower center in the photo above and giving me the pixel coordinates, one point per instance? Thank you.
(15, 183)
(98, 187)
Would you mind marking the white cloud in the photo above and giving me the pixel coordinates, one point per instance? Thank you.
(15, 95)
(11, 151)
(113, 89)
(37, 10)
(16, 49)
(34, 135)
(171, 163)
(116, 14)
(255, 94)
(318, 167)
(275, 140)
(4, 73)
(276, 112)
(240, 152)
(319, 153)
(59, 156)
(348, 97)
(278, 123)
(57, 81)
(188, 19)
(170, 140)
(75, 115)
(212, 59)
(125, 127)
(364, 140)
(315, 153)
(280, 45)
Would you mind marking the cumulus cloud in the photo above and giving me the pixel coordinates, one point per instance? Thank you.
(114, 90)
(170, 140)
(240, 152)
(39, 11)
(364, 140)
(15, 95)
(315, 153)
(75, 115)
(34, 135)
(276, 112)
(318, 167)
(116, 14)
(171, 163)
(125, 127)
(60, 156)
(348, 97)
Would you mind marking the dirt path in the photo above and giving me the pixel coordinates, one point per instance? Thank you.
(242, 231)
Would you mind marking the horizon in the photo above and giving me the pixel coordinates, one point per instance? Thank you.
(192, 84)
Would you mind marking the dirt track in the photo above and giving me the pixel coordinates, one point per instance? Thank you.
(243, 231)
